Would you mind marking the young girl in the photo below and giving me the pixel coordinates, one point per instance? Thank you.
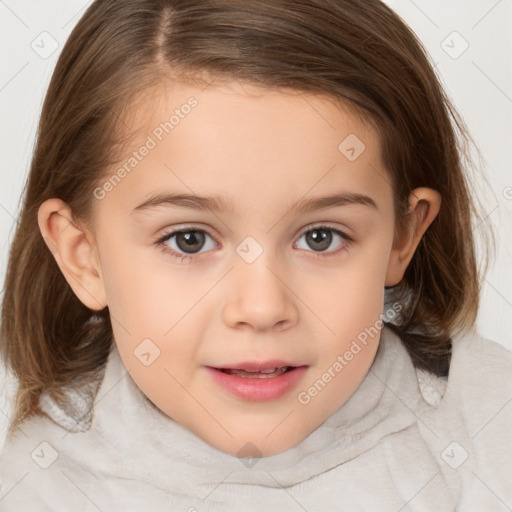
(316, 350)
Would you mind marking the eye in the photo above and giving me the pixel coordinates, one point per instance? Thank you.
(184, 243)
(321, 238)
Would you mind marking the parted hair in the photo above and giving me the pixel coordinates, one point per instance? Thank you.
(358, 51)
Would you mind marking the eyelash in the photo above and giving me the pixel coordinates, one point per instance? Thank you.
(180, 258)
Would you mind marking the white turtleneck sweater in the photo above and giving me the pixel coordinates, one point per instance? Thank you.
(388, 448)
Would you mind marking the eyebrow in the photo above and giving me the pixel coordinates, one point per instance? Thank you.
(218, 204)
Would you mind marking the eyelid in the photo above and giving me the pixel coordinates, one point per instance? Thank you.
(325, 225)
(184, 229)
(160, 242)
(310, 227)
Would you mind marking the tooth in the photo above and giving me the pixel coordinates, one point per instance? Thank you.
(264, 374)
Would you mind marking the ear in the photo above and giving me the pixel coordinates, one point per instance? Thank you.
(73, 251)
(424, 205)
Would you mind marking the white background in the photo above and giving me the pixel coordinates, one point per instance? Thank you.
(478, 81)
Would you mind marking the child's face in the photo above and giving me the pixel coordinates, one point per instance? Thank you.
(257, 289)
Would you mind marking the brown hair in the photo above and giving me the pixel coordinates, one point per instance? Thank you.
(357, 51)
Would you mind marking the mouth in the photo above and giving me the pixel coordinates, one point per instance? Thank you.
(266, 373)
(258, 381)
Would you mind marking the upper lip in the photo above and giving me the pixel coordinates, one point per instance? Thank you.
(256, 365)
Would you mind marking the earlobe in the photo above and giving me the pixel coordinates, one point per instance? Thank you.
(424, 206)
(73, 252)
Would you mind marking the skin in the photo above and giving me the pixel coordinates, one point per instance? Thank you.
(263, 150)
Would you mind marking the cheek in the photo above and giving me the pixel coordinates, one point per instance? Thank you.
(143, 289)
(154, 321)
(150, 299)
(350, 307)
(352, 295)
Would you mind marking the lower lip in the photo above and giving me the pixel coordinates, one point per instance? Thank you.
(258, 389)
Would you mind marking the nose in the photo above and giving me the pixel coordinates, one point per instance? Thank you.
(259, 298)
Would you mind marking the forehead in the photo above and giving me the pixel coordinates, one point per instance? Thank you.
(242, 142)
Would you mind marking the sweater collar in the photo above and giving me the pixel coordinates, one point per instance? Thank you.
(148, 444)
(382, 404)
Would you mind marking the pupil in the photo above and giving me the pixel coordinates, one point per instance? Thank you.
(195, 239)
(189, 240)
(322, 237)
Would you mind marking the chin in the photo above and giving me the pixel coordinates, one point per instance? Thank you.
(247, 446)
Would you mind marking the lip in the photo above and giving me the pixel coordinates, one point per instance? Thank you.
(258, 390)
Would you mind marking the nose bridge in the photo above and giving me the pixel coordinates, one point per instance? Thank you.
(258, 293)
